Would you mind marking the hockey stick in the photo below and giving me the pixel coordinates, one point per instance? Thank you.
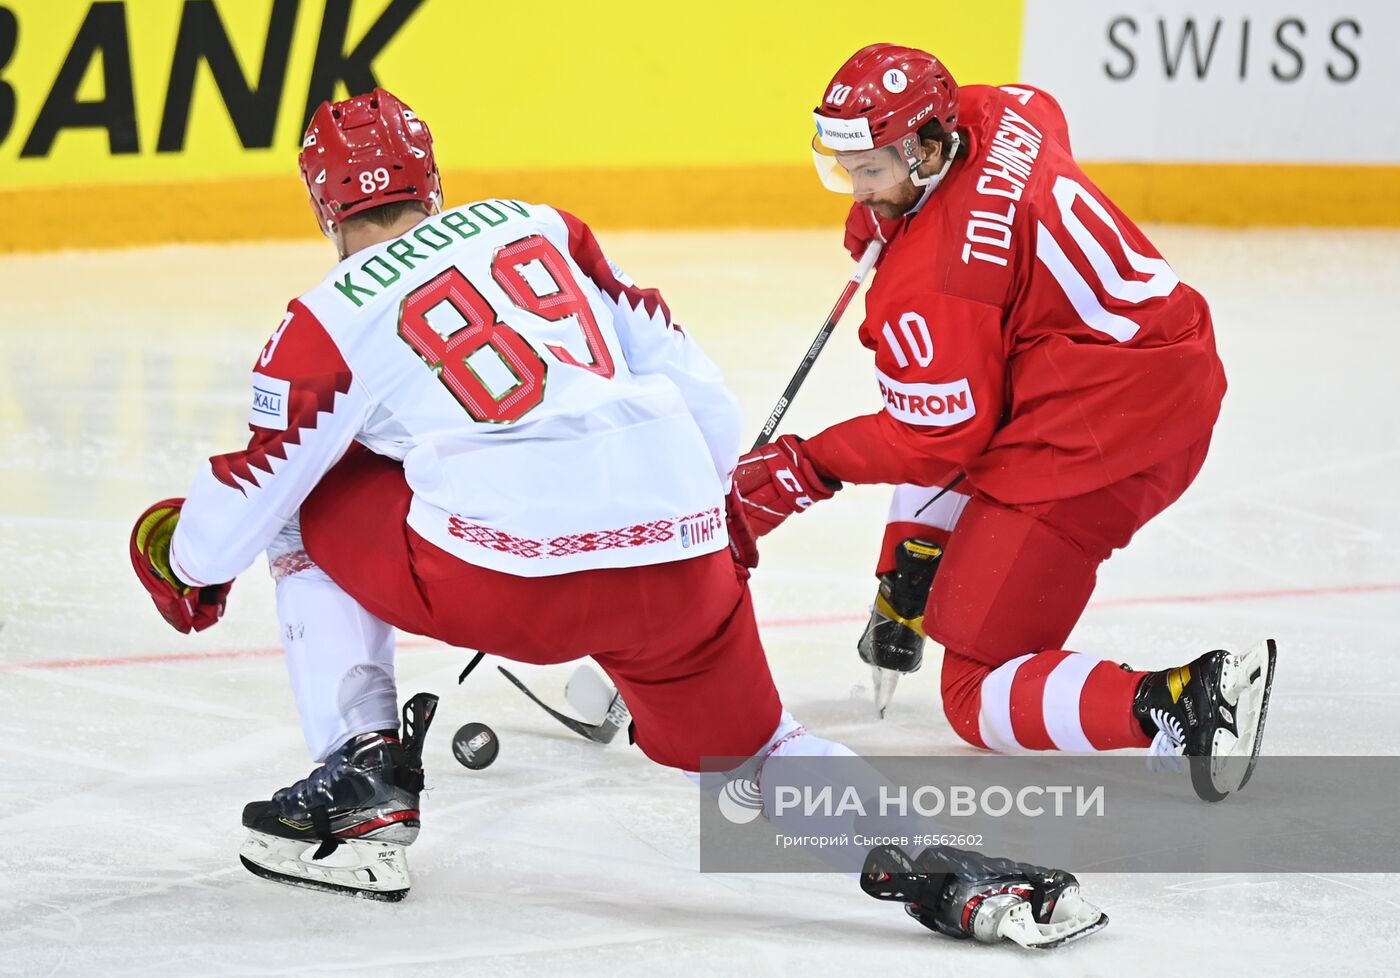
(867, 262)
(617, 717)
(941, 493)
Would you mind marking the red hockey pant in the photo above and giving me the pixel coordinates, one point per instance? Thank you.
(1016, 578)
(678, 639)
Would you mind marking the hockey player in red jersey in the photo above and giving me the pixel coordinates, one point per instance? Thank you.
(1049, 386)
(477, 428)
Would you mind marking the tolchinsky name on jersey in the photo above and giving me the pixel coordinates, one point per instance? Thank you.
(1006, 169)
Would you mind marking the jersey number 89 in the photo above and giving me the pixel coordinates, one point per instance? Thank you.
(454, 356)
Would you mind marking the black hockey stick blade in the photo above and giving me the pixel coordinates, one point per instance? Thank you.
(599, 733)
(476, 661)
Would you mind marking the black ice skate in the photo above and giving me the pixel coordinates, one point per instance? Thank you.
(1212, 711)
(893, 640)
(344, 827)
(967, 895)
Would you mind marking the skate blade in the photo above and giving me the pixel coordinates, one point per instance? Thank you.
(1260, 662)
(1019, 927)
(885, 682)
(1232, 758)
(1078, 935)
(358, 868)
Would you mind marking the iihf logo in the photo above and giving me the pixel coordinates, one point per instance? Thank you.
(741, 801)
(701, 528)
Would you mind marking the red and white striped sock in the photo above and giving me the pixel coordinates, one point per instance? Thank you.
(1054, 700)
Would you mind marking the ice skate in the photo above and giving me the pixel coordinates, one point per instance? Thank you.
(964, 894)
(345, 826)
(893, 640)
(1212, 711)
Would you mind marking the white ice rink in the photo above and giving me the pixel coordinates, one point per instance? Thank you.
(127, 751)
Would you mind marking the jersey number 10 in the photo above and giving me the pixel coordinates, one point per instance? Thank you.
(1085, 299)
(450, 355)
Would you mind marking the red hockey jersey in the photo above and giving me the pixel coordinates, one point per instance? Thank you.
(1024, 329)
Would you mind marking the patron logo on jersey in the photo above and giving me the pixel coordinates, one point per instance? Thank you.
(929, 405)
(269, 402)
(701, 529)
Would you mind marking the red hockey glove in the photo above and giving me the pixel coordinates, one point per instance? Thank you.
(742, 545)
(186, 608)
(862, 227)
(778, 480)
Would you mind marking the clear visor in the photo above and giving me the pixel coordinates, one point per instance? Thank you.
(859, 173)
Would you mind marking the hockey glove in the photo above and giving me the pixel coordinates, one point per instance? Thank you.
(778, 480)
(742, 545)
(864, 226)
(186, 608)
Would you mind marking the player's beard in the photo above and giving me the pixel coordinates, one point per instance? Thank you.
(895, 203)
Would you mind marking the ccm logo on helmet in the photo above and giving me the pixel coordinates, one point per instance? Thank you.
(922, 114)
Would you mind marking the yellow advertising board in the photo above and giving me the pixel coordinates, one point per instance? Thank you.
(138, 120)
(134, 121)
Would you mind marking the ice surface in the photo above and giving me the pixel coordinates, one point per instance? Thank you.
(128, 750)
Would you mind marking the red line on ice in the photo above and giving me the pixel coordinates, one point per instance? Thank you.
(410, 642)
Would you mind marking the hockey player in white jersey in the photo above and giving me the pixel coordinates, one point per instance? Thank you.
(478, 429)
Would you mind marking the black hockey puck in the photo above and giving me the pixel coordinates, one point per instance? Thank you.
(475, 745)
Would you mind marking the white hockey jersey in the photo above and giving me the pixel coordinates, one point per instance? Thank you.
(550, 415)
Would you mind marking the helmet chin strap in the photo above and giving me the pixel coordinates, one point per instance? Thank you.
(930, 183)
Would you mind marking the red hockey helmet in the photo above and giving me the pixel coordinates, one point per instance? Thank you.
(367, 151)
(880, 98)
